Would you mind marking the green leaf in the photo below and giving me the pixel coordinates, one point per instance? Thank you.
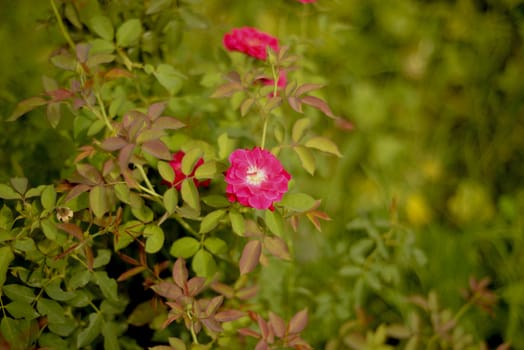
(225, 145)
(215, 245)
(275, 222)
(206, 171)
(19, 184)
(143, 314)
(127, 233)
(154, 238)
(323, 144)
(7, 192)
(111, 332)
(91, 332)
(211, 220)
(216, 201)
(102, 26)
(157, 6)
(6, 218)
(98, 200)
(102, 259)
(20, 309)
(184, 247)
(143, 213)
(299, 128)
(15, 333)
(166, 171)
(190, 194)
(49, 228)
(189, 161)
(203, 264)
(129, 32)
(53, 310)
(170, 200)
(6, 257)
(123, 193)
(17, 292)
(55, 292)
(169, 78)
(25, 106)
(306, 159)
(107, 285)
(300, 202)
(79, 278)
(48, 198)
(237, 222)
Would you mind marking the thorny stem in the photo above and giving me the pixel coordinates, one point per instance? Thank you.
(63, 29)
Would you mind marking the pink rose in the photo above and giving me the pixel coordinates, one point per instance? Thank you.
(256, 178)
(176, 164)
(250, 41)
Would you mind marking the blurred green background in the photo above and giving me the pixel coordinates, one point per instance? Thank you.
(436, 94)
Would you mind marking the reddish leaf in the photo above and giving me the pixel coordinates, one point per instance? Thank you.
(227, 89)
(195, 285)
(277, 324)
(157, 148)
(314, 217)
(212, 324)
(90, 173)
(248, 333)
(223, 289)
(128, 259)
(180, 273)
(113, 143)
(247, 292)
(124, 156)
(229, 315)
(86, 151)
(263, 326)
(295, 104)
(319, 104)
(277, 247)
(163, 123)
(307, 88)
(213, 305)
(155, 110)
(233, 76)
(116, 73)
(262, 345)
(60, 94)
(89, 257)
(25, 106)
(131, 272)
(72, 229)
(76, 191)
(250, 256)
(298, 322)
(167, 290)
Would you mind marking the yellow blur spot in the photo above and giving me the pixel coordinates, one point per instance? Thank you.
(417, 210)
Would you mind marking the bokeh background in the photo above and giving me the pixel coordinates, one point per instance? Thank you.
(436, 95)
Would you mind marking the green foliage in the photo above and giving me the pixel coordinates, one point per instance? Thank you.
(397, 122)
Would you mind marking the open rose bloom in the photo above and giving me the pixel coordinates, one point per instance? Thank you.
(250, 41)
(256, 178)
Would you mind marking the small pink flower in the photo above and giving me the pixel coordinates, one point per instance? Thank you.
(250, 41)
(176, 164)
(256, 178)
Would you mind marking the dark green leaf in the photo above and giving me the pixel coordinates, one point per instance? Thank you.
(102, 259)
(20, 309)
(19, 184)
(55, 292)
(143, 314)
(102, 26)
(53, 310)
(111, 332)
(107, 285)
(6, 218)
(6, 257)
(91, 332)
(17, 292)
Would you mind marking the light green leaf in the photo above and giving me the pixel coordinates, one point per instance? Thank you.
(189, 160)
(102, 259)
(216, 201)
(111, 331)
(107, 285)
(215, 245)
(143, 213)
(184, 247)
(169, 78)
(170, 200)
(129, 33)
(299, 128)
(225, 145)
(211, 220)
(237, 222)
(102, 26)
(275, 222)
(300, 202)
(206, 171)
(306, 159)
(48, 198)
(91, 332)
(55, 292)
(123, 193)
(203, 264)
(190, 194)
(49, 228)
(154, 238)
(323, 144)
(166, 171)
(98, 200)
(7, 192)
(19, 184)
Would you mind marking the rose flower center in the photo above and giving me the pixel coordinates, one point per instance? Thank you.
(255, 176)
